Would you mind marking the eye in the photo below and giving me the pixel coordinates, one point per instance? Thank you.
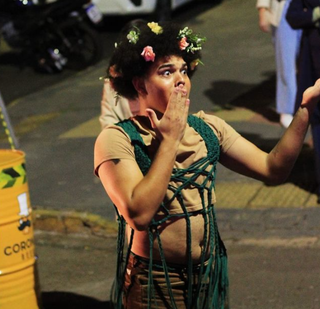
(184, 71)
(166, 73)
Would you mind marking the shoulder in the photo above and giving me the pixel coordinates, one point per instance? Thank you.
(112, 143)
(111, 133)
(224, 132)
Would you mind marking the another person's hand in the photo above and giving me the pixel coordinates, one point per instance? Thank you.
(173, 122)
(264, 20)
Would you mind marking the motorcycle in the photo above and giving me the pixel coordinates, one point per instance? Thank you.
(52, 36)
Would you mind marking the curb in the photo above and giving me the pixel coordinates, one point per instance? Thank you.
(72, 222)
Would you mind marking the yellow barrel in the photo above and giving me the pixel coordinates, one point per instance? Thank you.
(17, 257)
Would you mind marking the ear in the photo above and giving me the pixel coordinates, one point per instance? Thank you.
(138, 83)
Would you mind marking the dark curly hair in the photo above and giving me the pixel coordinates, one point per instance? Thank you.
(127, 62)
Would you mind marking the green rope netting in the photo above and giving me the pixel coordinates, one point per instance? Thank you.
(211, 289)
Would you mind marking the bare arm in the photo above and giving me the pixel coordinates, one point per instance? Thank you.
(264, 19)
(274, 167)
(138, 197)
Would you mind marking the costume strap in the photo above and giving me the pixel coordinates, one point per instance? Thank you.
(140, 149)
(216, 275)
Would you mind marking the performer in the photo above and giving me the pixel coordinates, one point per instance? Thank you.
(159, 170)
(286, 42)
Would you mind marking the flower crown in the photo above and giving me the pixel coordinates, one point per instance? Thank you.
(186, 38)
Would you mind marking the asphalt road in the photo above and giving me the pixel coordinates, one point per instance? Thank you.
(267, 270)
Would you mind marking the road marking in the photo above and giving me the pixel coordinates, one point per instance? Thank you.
(90, 128)
(297, 242)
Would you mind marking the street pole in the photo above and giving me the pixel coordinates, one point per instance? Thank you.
(7, 125)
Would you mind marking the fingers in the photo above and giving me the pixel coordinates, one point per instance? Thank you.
(153, 117)
(311, 95)
(177, 100)
(317, 84)
(172, 124)
(312, 91)
(265, 29)
(187, 103)
(185, 110)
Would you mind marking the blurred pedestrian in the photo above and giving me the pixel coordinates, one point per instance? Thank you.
(115, 108)
(305, 14)
(159, 170)
(286, 43)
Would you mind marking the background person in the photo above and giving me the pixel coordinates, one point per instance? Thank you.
(115, 108)
(305, 14)
(286, 43)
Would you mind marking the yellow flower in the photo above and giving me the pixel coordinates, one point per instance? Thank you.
(155, 27)
(195, 63)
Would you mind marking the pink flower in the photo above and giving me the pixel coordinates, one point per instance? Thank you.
(148, 54)
(183, 44)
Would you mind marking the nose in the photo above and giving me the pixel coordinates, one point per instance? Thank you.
(180, 79)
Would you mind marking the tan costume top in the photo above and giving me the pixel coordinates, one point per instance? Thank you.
(114, 143)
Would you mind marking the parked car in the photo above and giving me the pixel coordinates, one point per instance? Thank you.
(161, 9)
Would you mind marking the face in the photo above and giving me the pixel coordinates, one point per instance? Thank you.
(161, 79)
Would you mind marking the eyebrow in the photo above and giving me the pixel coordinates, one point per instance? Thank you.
(169, 65)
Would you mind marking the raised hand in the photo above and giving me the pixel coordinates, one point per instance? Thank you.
(173, 122)
(311, 96)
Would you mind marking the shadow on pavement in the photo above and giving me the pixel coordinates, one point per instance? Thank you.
(66, 300)
(257, 98)
(261, 100)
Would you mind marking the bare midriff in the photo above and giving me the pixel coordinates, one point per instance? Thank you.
(173, 236)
